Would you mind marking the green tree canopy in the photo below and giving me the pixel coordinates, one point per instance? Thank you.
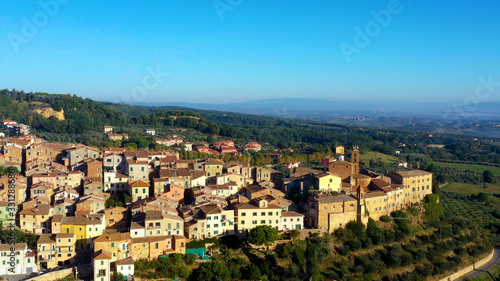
(488, 176)
(433, 209)
(263, 235)
(212, 271)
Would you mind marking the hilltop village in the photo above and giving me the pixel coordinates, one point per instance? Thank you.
(113, 206)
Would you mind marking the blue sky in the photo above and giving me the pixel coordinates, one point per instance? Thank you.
(255, 49)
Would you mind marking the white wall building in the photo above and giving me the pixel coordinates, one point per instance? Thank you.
(17, 259)
(126, 267)
(102, 266)
(291, 220)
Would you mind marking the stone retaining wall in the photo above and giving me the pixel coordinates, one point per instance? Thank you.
(469, 268)
(54, 275)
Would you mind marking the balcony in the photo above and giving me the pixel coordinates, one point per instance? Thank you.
(65, 252)
(44, 259)
(46, 251)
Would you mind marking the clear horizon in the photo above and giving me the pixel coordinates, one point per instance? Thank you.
(234, 51)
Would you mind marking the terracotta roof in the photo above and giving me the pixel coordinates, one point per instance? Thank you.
(340, 163)
(369, 173)
(137, 154)
(102, 255)
(120, 175)
(91, 197)
(183, 172)
(210, 209)
(44, 185)
(137, 162)
(326, 175)
(39, 210)
(291, 214)
(91, 219)
(65, 235)
(46, 239)
(153, 215)
(125, 261)
(169, 159)
(122, 149)
(197, 174)
(151, 239)
(81, 146)
(213, 162)
(379, 183)
(360, 176)
(135, 225)
(138, 183)
(375, 194)
(57, 218)
(113, 237)
(252, 205)
(397, 186)
(17, 246)
(365, 189)
(118, 208)
(412, 173)
(331, 199)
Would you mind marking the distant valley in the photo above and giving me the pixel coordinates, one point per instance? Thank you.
(482, 119)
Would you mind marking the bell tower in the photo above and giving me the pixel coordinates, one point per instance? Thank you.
(355, 160)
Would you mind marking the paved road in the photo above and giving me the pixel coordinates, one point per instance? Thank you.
(16, 277)
(493, 263)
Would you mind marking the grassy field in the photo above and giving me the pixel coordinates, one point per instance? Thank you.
(366, 157)
(495, 272)
(469, 167)
(469, 189)
(457, 205)
(472, 189)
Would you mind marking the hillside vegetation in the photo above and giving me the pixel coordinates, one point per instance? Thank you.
(84, 118)
(419, 245)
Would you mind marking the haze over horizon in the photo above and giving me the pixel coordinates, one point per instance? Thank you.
(217, 52)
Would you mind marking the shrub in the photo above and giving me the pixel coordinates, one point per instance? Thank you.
(413, 211)
(385, 219)
(190, 258)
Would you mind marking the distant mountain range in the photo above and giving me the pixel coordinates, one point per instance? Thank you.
(308, 107)
(289, 107)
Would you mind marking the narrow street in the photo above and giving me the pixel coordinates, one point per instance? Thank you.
(493, 263)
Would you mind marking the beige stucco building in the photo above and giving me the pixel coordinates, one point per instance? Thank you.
(417, 184)
(328, 212)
